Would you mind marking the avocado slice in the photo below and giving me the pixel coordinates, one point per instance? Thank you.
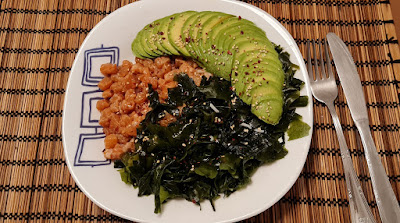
(269, 111)
(148, 39)
(203, 34)
(175, 30)
(219, 60)
(161, 36)
(215, 33)
(267, 103)
(137, 48)
(196, 24)
(232, 34)
(260, 74)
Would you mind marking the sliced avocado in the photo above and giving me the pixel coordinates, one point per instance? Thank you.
(161, 36)
(259, 56)
(252, 61)
(269, 111)
(175, 30)
(219, 60)
(137, 48)
(241, 29)
(203, 33)
(267, 103)
(156, 36)
(197, 25)
(261, 75)
(208, 26)
(147, 40)
(266, 92)
(215, 33)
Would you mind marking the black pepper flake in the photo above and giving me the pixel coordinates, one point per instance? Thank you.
(247, 73)
(252, 81)
(241, 32)
(240, 17)
(247, 65)
(236, 73)
(151, 26)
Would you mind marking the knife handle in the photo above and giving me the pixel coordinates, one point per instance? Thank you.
(388, 205)
(359, 209)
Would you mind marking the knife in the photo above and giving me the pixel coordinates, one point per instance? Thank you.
(388, 205)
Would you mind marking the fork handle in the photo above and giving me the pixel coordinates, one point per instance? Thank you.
(359, 209)
(385, 198)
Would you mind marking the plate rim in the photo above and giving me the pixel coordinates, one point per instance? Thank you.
(293, 45)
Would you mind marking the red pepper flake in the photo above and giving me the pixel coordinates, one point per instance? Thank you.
(174, 157)
(187, 39)
(241, 32)
(161, 33)
(206, 33)
(264, 78)
(229, 52)
(259, 61)
(213, 47)
(151, 26)
(240, 17)
(163, 38)
(254, 72)
(236, 73)
(252, 81)
(247, 65)
(171, 18)
(194, 202)
(240, 94)
(247, 73)
(233, 139)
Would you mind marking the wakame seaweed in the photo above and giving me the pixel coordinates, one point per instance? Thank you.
(215, 145)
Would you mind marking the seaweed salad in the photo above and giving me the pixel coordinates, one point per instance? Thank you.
(215, 144)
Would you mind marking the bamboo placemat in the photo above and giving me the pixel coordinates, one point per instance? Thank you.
(38, 43)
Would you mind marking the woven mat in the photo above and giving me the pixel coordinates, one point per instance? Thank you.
(39, 41)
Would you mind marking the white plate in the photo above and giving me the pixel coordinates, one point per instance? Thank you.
(110, 41)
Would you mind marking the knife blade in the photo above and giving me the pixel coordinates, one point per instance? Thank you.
(388, 205)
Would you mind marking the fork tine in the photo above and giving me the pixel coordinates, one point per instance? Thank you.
(310, 69)
(328, 61)
(317, 76)
(323, 74)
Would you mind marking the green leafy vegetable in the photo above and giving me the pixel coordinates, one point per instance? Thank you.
(298, 129)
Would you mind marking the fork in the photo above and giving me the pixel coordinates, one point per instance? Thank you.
(324, 89)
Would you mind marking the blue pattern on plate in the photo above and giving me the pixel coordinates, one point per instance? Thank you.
(90, 78)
